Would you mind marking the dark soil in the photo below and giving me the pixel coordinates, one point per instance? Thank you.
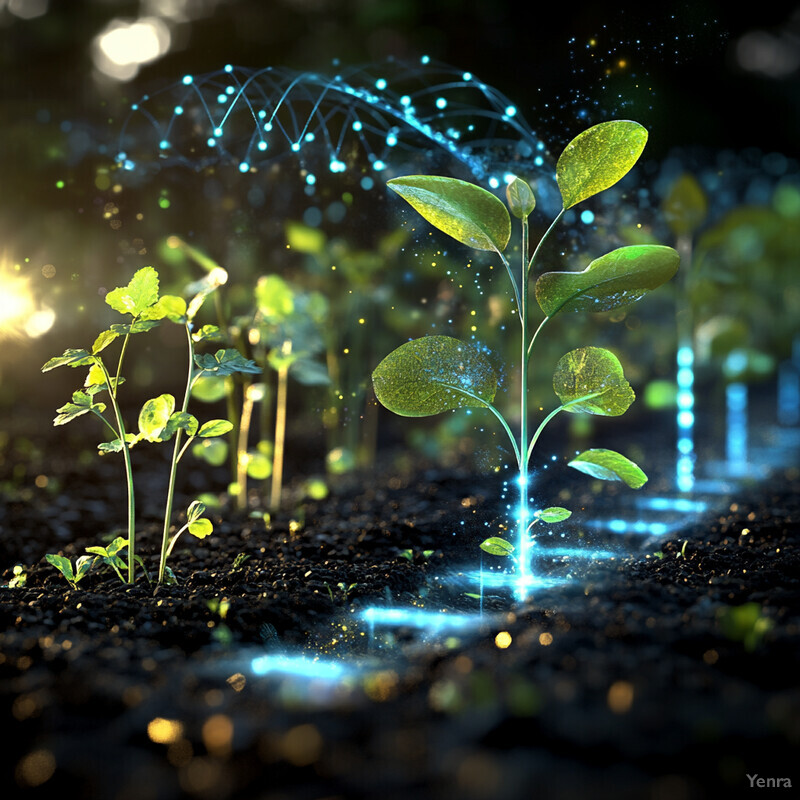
(631, 680)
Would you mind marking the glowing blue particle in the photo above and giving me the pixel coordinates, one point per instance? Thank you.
(244, 167)
(187, 79)
(685, 419)
(357, 125)
(262, 145)
(618, 525)
(467, 76)
(685, 356)
(378, 165)
(685, 483)
(540, 146)
(538, 161)
(222, 98)
(405, 100)
(217, 131)
(267, 126)
(425, 59)
(122, 155)
(508, 177)
(685, 445)
(228, 68)
(229, 90)
(367, 183)
(262, 114)
(211, 141)
(128, 165)
(178, 110)
(380, 84)
(163, 144)
(441, 102)
(311, 179)
(309, 137)
(391, 140)
(511, 111)
(337, 166)
(685, 377)
(587, 217)
(295, 146)
(494, 183)
(685, 399)
(135, 107)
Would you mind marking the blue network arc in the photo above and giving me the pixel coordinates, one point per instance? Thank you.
(376, 117)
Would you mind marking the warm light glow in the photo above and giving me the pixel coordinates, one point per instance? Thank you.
(164, 731)
(19, 315)
(123, 47)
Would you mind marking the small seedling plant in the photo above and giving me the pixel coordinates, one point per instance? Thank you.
(435, 374)
(158, 421)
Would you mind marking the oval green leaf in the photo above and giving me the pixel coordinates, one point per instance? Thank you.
(598, 158)
(201, 528)
(591, 380)
(434, 374)
(154, 418)
(71, 358)
(138, 295)
(497, 546)
(466, 212)
(616, 279)
(608, 465)
(520, 198)
(215, 427)
(553, 514)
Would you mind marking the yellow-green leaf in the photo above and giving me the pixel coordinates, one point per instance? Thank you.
(598, 158)
(685, 207)
(609, 465)
(520, 198)
(591, 380)
(466, 212)
(138, 295)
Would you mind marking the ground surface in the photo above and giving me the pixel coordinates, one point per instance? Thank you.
(644, 676)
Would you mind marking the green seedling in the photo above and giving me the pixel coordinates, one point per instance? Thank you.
(409, 554)
(239, 561)
(19, 577)
(73, 575)
(435, 374)
(746, 623)
(344, 588)
(159, 421)
(110, 556)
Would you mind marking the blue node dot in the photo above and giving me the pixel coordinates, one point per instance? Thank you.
(587, 217)
(494, 183)
(163, 144)
(122, 155)
(357, 126)
(309, 137)
(685, 419)
(540, 146)
(229, 90)
(129, 165)
(295, 146)
(262, 145)
(508, 178)
(179, 110)
(391, 140)
(425, 59)
(268, 126)
(187, 79)
(135, 107)
(336, 165)
(367, 183)
(228, 68)
(222, 98)
(312, 217)
(244, 167)
(311, 179)
(405, 100)
(217, 131)
(467, 76)
(380, 84)
(510, 111)
(538, 161)
(441, 102)
(378, 165)
(262, 114)
(211, 141)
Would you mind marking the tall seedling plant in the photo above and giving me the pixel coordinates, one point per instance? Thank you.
(434, 374)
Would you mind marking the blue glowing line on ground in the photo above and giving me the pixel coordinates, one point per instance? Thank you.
(422, 619)
(682, 504)
(736, 436)
(638, 527)
(512, 580)
(301, 667)
(585, 553)
(252, 116)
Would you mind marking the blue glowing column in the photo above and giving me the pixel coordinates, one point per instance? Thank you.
(789, 388)
(684, 475)
(736, 418)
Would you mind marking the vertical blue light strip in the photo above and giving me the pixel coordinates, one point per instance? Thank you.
(788, 394)
(684, 474)
(736, 439)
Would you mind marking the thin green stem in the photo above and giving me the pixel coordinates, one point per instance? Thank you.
(492, 409)
(523, 408)
(536, 333)
(126, 454)
(280, 438)
(513, 281)
(553, 413)
(542, 240)
(113, 390)
(176, 451)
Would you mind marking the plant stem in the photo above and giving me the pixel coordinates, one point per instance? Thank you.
(126, 454)
(522, 521)
(553, 413)
(241, 450)
(176, 450)
(280, 438)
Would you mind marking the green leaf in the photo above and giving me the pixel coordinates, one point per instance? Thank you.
(275, 298)
(62, 564)
(71, 358)
(598, 158)
(616, 279)
(685, 207)
(82, 566)
(595, 374)
(169, 306)
(209, 389)
(154, 418)
(280, 358)
(497, 546)
(180, 421)
(212, 451)
(466, 212)
(520, 197)
(206, 333)
(215, 427)
(103, 340)
(609, 466)
(139, 326)
(430, 375)
(258, 465)
(196, 510)
(225, 362)
(138, 295)
(304, 239)
(82, 403)
(553, 514)
(201, 528)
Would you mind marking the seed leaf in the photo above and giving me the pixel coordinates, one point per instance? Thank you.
(215, 427)
(169, 307)
(616, 279)
(62, 564)
(225, 362)
(520, 197)
(71, 358)
(434, 374)
(497, 546)
(201, 528)
(609, 466)
(466, 212)
(212, 451)
(195, 511)
(154, 418)
(595, 374)
(598, 158)
(138, 295)
(553, 514)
